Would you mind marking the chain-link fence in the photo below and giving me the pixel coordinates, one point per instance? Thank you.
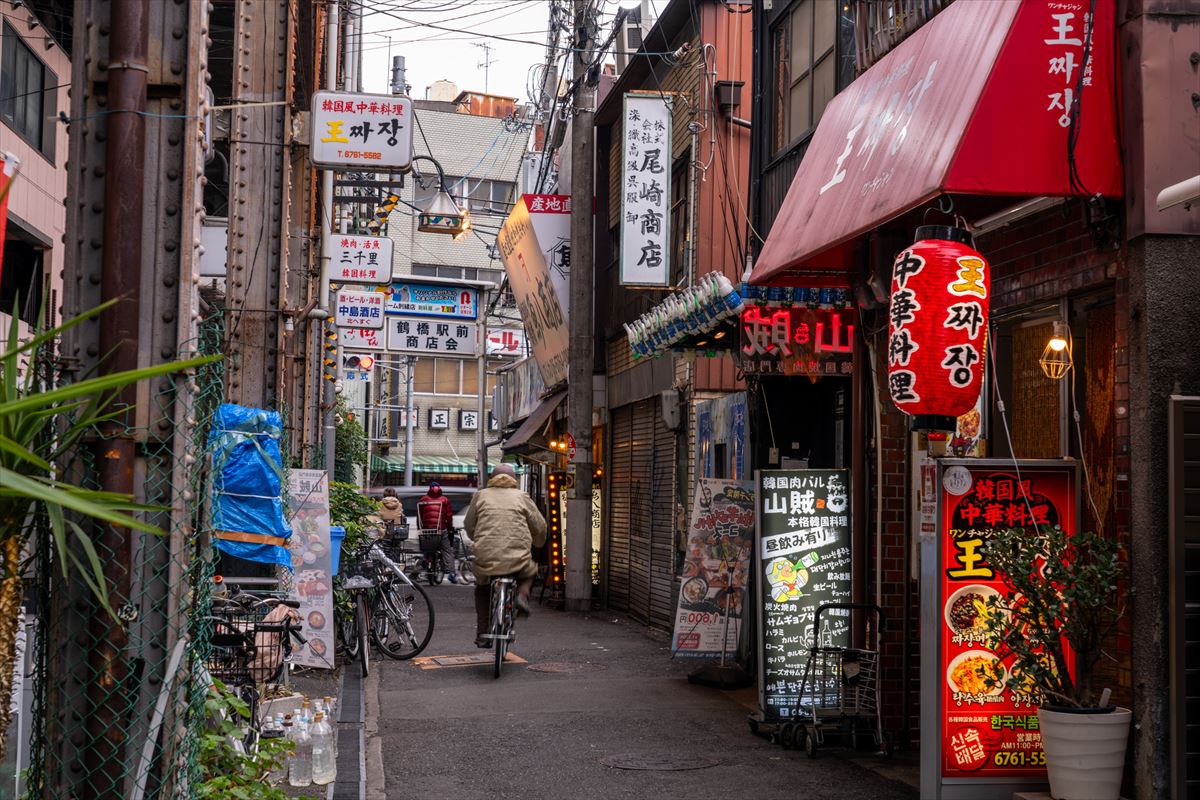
(118, 710)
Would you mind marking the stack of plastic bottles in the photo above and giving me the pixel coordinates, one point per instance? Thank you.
(314, 733)
(691, 312)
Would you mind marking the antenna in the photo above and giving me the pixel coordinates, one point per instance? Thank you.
(486, 63)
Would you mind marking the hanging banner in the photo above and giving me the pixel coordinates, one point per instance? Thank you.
(646, 191)
(431, 337)
(363, 260)
(312, 584)
(541, 311)
(433, 300)
(551, 217)
(989, 736)
(361, 130)
(359, 309)
(803, 562)
(712, 597)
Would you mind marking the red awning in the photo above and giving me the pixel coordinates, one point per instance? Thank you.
(974, 102)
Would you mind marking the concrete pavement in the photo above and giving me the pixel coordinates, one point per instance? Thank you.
(453, 732)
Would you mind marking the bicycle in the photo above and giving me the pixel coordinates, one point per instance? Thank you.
(386, 607)
(430, 565)
(503, 619)
(464, 561)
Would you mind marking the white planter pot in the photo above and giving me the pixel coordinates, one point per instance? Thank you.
(1085, 753)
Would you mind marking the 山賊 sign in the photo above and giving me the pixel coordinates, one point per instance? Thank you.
(646, 191)
(797, 341)
(361, 130)
(365, 260)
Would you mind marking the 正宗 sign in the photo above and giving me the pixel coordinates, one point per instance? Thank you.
(545, 323)
(433, 300)
(646, 191)
(983, 738)
(715, 569)
(361, 130)
(803, 549)
(312, 580)
(365, 260)
(468, 419)
(797, 341)
(439, 418)
(359, 309)
(360, 339)
(431, 336)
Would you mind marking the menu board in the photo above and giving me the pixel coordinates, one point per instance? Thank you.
(312, 581)
(803, 549)
(715, 569)
(988, 733)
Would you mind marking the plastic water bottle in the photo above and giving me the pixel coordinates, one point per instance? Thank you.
(324, 765)
(301, 769)
(274, 729)
(331, 718)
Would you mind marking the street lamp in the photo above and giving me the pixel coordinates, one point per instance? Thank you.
(443, 215)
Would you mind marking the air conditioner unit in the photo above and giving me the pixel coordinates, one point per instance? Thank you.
(670, 409)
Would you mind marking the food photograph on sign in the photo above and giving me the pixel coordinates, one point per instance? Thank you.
(989, 714)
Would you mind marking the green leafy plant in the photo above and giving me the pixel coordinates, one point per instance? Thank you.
(227, 770)
(350, 443)
(1061, 593)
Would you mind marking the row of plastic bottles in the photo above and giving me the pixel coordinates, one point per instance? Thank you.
(697, 309)
(313, 731)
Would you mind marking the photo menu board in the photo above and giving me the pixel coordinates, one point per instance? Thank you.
(987, 733)
(803, 562)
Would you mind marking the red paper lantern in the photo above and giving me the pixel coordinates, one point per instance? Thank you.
(937, 336)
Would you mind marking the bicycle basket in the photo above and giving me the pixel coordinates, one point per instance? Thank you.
(246, 649)
(393, 548)
(431, 542)
(357, 568)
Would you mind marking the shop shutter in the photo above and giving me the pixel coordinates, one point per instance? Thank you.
(641, 473)
(1184, 460)
(662, 525)
(619, 514)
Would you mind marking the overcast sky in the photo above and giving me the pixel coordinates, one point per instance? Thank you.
(435, 52)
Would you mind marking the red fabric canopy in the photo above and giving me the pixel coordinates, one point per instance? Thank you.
(974, 102)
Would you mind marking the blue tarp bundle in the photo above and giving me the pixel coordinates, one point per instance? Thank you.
(247, 483)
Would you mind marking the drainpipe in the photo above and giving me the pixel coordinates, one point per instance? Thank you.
(116, 450)
(694, 128)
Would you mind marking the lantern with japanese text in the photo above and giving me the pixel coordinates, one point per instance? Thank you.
(937, 336)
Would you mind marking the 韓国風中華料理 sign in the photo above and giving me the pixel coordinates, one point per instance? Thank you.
(361, 130)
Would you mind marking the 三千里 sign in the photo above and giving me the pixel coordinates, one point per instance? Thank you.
(361, 130)
(363, 260)
(433, 300)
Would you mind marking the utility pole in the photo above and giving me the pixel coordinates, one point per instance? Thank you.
(485, 297)
(577, 547)
(411, 363)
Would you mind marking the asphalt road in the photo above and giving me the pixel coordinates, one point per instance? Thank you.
(454, 732)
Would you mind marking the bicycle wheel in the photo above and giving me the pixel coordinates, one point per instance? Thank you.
(499, 595)
(434, 574)
(347, 631)
(363, 622)
(403, 621)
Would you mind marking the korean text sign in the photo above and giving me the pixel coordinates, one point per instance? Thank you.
(537, 300)
(433, 300)
(359, 309)
(361, 130)
(715, 569)
(312, 583)
(804, 562)
(646, 191)
(431, 336)
(987, 732)
(364, 260)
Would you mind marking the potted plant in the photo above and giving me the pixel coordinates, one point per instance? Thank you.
(1061, 599)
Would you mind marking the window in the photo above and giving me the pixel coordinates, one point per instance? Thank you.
(443, 375)
(25, 104)
(679, 217)
(21, 282)
(805, 46)
(458, 273)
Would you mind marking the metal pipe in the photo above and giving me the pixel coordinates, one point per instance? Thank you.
(116, 449)
(409, 413)
(481, 371)
(331, 70)
(694, 128)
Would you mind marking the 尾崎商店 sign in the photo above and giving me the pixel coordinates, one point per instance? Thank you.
(646, 191)
(361, 130)
(365, 260)
(359, 309)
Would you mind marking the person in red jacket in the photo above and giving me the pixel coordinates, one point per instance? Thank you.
(434, 512)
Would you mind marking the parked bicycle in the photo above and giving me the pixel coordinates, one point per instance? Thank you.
(387, 608)
(502, 614)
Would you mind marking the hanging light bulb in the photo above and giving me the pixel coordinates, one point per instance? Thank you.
(1056, 358)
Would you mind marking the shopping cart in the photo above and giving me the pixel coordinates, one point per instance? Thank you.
(839, 692)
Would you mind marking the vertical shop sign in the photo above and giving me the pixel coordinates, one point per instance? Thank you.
(312, 581)
(715, 569)
(597, 532)
(803, 549)
(989, 736)
(646, 191)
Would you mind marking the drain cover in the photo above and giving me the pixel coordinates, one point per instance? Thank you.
(565, 666)
(658, 763)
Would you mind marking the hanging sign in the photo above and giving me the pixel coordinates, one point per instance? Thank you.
(646, 191)
(312, 582)
(359, 309)
(551, 217)
(987, 735)
(803, 562)
(715, 570)
(505, 342)
(797, 341)
(431, 336)
(541, 311)
(433, 300)
(365, 260)
(360, 339)
(361, 130)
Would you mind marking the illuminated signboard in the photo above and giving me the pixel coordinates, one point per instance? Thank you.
(797, 341)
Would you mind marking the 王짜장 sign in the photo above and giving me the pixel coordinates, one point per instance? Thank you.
(365, 260)
(361, 130)
(646, 191)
